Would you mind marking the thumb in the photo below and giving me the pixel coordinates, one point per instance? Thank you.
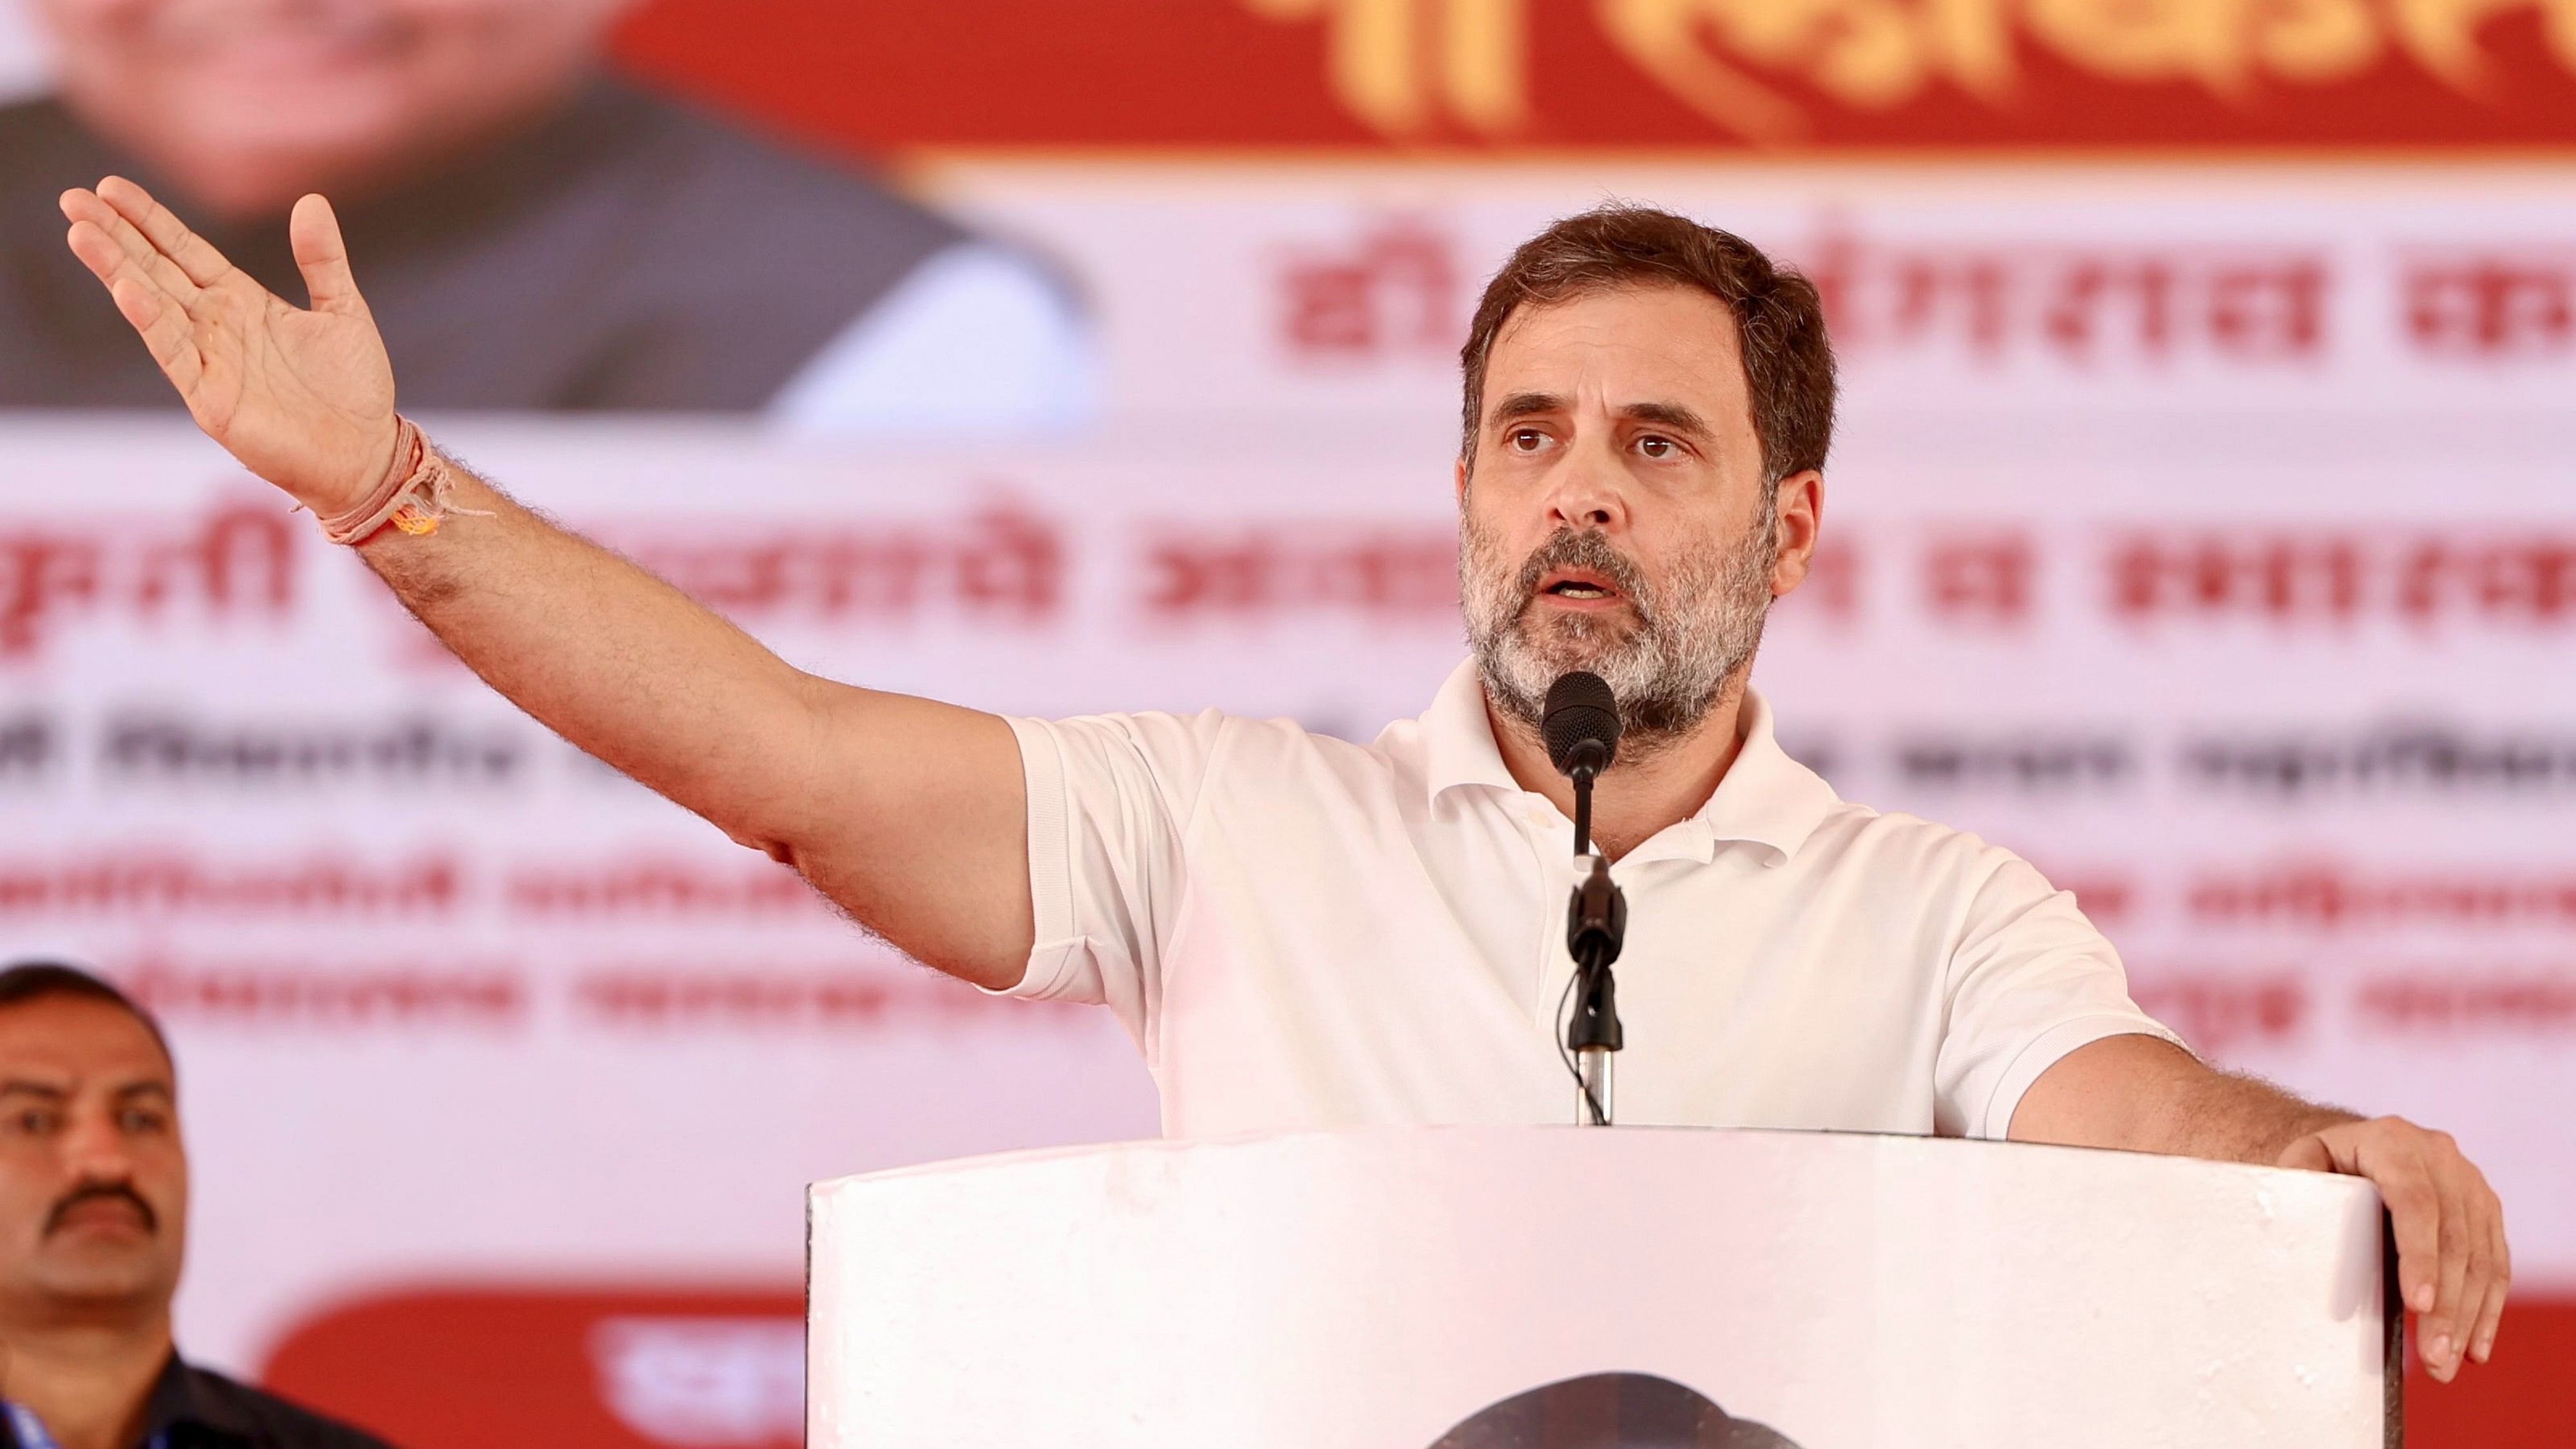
(322, 258)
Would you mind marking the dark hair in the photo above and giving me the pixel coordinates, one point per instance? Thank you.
(32, 980)
(1612, 1409)
(1779, 318)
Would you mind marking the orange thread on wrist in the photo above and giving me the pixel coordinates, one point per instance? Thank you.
(413, 495)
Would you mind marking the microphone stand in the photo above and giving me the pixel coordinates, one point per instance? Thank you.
(1596, 924)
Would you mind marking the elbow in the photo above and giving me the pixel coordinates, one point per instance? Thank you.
(780, 806)
(770, 842)
(763, 821)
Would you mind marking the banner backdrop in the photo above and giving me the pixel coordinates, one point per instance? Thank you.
(1714, 75)
(2220, 558)
(2203, 532)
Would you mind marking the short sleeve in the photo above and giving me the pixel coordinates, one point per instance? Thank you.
(1109, 802)
(2030, 981)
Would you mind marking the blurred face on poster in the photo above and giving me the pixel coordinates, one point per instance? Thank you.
(1615, 516)
(93, 1180)
(248, 104)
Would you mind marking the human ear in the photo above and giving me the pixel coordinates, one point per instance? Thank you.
(1797, 514)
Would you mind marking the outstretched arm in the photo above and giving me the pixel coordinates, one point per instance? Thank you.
(907, 812)
(2148, 1095)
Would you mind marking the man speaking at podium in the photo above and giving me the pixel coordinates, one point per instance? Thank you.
(1303, 932)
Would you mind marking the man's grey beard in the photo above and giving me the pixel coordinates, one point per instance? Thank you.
(1666, 663)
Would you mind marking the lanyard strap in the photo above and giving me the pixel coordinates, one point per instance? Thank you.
(31, 1433)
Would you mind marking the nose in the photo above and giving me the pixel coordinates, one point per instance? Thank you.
(95, 1151)
(1584, 492)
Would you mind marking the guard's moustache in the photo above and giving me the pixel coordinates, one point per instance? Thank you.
(91, 1192)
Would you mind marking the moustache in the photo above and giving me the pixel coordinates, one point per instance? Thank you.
(91, 1192)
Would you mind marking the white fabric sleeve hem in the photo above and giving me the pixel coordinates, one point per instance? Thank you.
(1055, 945)
(2049, 1048)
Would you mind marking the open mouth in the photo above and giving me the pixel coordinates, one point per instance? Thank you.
(1578, 586)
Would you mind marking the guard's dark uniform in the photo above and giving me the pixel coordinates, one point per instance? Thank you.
(194, 1408)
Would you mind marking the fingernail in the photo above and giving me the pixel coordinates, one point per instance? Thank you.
(2484, 1351)
(2422, 1299)
(2439, 1350)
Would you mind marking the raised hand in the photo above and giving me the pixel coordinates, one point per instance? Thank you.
(303, 397)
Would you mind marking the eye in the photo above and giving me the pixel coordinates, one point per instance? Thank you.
(34, 1121)
(1654, 445)
(142, 1120)
(1525, 440)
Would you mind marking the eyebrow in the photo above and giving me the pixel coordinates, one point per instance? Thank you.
(21, 1087)
(1671, 415)
(1527, 404)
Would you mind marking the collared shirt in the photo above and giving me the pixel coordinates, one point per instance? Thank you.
(194, 1408)
(1301, 932)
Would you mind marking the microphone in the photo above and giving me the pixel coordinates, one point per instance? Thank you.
(1580, 726)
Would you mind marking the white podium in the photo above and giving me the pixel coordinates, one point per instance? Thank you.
(1476, 1288)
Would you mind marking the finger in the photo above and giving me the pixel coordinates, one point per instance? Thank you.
(2452, 1310)
(82, 204)
(323, 258)
(165, 330)
(82, 207)
(111, 264)
(2489, 1321)
(195, 255)
(2414, 1220)
(153, 312)
(98, 251)
(2482, 1336)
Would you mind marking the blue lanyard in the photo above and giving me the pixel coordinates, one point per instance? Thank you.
(31, 1433)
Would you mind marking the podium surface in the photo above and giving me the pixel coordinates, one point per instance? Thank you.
(1482, 1287)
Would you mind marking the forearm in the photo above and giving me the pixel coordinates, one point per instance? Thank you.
(617, 661)
(2144, 1094)
(2231, 1118)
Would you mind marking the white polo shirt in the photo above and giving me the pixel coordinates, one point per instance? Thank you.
(1302, 932)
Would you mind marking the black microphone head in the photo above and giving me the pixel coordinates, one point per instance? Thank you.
(1580, 712)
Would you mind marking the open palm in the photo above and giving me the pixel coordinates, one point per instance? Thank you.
(303, 397)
